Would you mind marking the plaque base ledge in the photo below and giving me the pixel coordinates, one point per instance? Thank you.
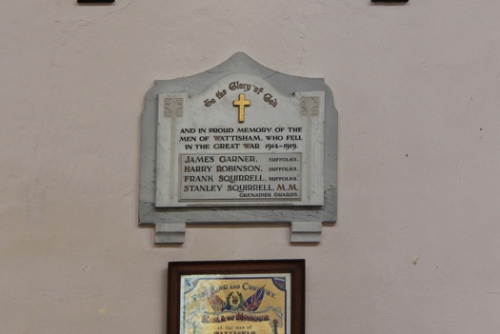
(301, 232)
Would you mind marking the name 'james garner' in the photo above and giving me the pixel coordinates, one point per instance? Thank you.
(222, 158)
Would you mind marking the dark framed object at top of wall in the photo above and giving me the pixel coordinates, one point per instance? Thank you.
(236, 297)
(95, 1)
(390, 1)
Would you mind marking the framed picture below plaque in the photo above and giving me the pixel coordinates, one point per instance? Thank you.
(236, 297)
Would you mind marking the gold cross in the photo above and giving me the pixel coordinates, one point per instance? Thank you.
(241, 104)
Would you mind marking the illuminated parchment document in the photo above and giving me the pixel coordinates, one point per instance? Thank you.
(235, 304)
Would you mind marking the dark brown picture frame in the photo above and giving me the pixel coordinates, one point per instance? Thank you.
(294, 267)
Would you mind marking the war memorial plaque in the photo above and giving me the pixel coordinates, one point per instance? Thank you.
(238, 144)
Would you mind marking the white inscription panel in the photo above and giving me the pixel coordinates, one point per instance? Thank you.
(240, 177)
(240, 143)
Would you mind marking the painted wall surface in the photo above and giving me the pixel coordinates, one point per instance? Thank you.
(416, 248)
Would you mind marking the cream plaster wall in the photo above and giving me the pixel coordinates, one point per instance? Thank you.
(416, 248)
